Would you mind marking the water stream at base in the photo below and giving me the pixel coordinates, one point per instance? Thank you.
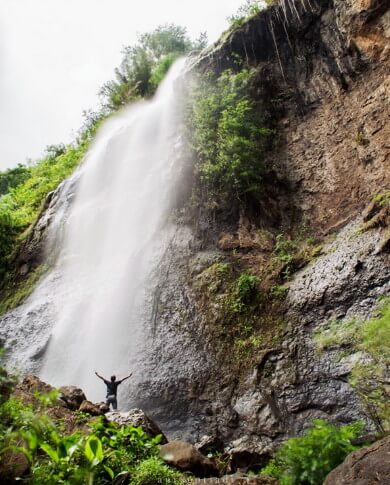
(115, 234)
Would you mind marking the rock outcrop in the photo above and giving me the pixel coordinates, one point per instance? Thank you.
(186, 458)
(136, 418)
(368, 466)
(72, 396)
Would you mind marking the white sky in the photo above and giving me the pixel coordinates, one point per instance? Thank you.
(56, 54)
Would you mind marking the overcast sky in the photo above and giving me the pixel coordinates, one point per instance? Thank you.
(55, 55)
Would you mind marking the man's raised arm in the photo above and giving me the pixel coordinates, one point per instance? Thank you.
(126, 377)
(100, 377)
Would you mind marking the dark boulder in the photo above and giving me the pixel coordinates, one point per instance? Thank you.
(187, 458)
(367, 466)
(90, 408)
(13, 464)
(104, 408)
(72, 397)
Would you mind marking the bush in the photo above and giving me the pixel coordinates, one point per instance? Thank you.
(249, 9)
(228, 135)
(307, 460)
(368, 377)
(154, 472)
(145, 64)
(13, 177)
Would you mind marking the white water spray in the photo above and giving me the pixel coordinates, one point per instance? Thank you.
(115, 234)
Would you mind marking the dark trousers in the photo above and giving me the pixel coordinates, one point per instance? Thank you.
(112, 400)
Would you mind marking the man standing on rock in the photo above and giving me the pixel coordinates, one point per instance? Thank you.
(112, 387)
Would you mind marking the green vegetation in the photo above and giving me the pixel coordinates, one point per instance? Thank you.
(383, 199)
(23, 202)
(107, 453)
(279, 292)
(285, 248)
(308, 459)
(153, 472)
(234, 305)
(144, 65)
(14, 294)
(368, 377)
(248, 10)
(244, 292)
(228, 136)
(13, 177)
(291, 254)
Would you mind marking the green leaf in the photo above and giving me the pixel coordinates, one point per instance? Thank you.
(94, 450)
(51, 452)
(110, 471)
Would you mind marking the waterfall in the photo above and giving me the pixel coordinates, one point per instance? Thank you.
(115, 233)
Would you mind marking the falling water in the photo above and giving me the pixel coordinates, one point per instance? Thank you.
(115, 233)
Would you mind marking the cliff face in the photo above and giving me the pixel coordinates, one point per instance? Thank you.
(322, 71)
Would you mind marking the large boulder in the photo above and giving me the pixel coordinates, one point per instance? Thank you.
(31, 385)
(187, 458)
(13, 464)
(136, 417)
(367, 466)
(89, 407)
(72, 397)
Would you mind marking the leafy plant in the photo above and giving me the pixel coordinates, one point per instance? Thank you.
(306, 460)
(279, 292)
(246, 287)
(369, 377)
(228, 135)
(249, 9)
(154, 472)
(145, 64)
(284, 248)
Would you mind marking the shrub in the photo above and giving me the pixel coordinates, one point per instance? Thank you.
(145, 64)
(161, 69)
(228, 135)
(154, 472)
(308, 459)
(13, 177)
(368, 377)
(249, 9)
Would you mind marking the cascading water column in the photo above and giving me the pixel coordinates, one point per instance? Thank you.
(115, 234)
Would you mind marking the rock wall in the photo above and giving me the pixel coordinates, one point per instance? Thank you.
(326, 65)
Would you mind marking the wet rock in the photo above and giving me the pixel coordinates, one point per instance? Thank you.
(187, 458)
(31, 386)
(249, 452)
(136, 417)
(90, 408)
(72, 396)
(13, 464)
(104, 408)
(368, 466)
(208, 444)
